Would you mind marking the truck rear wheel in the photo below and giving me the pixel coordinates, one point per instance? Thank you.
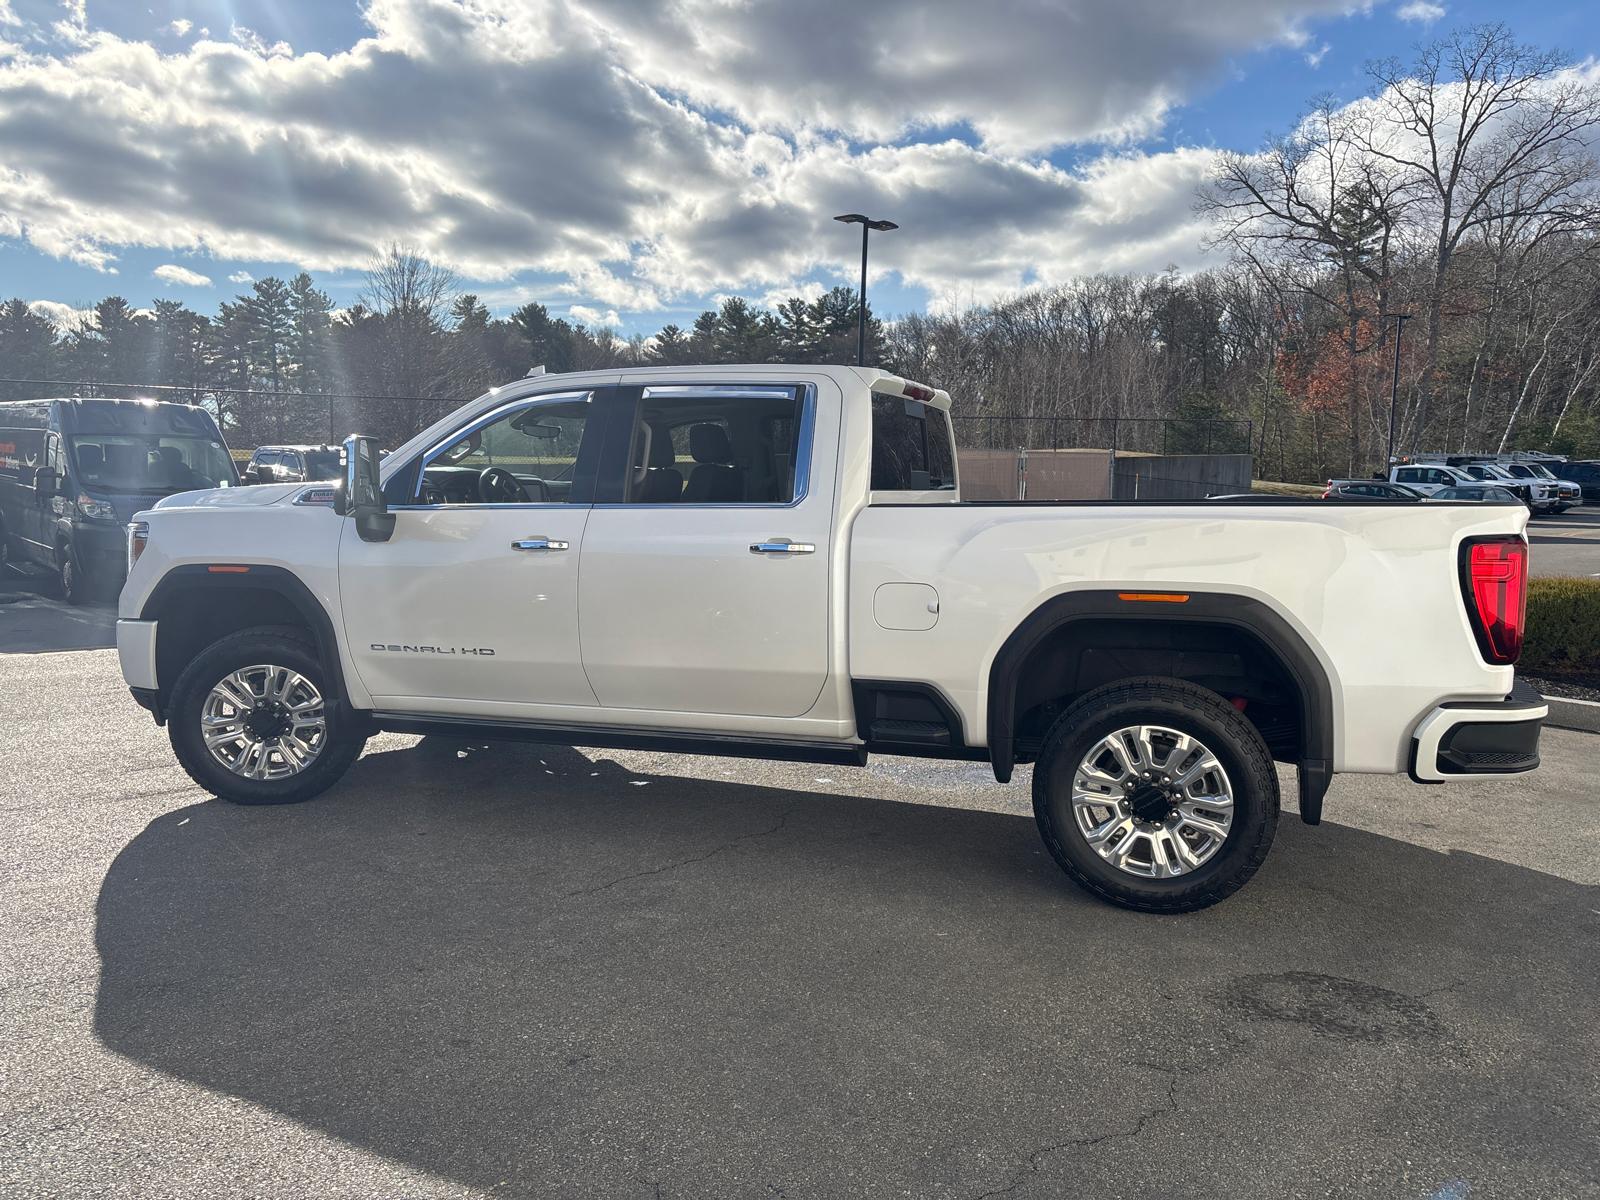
(1156, 795)
(250, 720)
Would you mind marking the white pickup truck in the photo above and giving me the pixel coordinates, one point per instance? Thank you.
(776, 562)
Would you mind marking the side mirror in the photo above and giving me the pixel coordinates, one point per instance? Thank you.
(46, 482)
(262, 474)
(359, 494)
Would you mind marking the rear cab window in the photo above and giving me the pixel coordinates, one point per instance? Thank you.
(911, 447)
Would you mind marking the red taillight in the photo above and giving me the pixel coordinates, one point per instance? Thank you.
(1494, 576)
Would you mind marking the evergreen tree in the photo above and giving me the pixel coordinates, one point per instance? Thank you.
(28, 347)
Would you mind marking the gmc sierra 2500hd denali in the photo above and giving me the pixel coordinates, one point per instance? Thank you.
(776, 562)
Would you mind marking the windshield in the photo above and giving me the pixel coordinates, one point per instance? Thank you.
(1540, 471)
(322, 464)
(158, 464)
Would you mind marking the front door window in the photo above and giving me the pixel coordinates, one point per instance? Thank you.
(525, 456)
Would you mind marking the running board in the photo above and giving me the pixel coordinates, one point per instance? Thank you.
(838, 754)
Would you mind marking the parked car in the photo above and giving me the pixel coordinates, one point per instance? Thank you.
(1540, 495)
(73, 471)
(1585, 474)
(292, 464)
(1432, 477)
(776, 562)
(1485, 493)
(1368, 489)
(1569, 493)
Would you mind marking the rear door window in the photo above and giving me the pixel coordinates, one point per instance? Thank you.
(721, 444)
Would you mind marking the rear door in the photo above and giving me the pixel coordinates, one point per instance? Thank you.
(705, 575)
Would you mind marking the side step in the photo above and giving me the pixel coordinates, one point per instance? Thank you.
(839, 754)
(910, 733)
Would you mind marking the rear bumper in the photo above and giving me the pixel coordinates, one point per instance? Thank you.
(1469, 741)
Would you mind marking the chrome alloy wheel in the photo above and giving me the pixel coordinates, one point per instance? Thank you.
(1152, 801)
(264, 722)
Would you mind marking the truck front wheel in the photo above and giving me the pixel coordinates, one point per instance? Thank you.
(1156, 795)
(250, 720)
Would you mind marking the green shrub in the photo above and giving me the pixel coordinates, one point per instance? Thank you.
(1563, 627)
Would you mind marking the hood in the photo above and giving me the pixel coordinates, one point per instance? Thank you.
(239, 497)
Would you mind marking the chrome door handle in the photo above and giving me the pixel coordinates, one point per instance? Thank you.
(783, 548)
(538, 544)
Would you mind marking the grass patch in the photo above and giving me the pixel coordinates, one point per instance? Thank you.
(1267, 487)
(1563, 629)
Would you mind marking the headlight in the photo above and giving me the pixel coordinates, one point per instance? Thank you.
(100, 510)
(138, 538)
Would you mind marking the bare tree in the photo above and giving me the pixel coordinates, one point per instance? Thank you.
(1475, 117)
(1306, 201)
(405, 304)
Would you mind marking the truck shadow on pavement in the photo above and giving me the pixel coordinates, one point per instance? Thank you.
(529, 974)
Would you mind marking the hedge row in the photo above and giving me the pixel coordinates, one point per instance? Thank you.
(1563, 627)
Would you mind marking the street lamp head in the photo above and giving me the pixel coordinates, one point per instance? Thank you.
(858, 219)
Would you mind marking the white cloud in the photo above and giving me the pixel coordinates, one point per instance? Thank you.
(179, 28)
(64, 316)
(594, 317)
(241, 277)
(634, 151)
(1314, 57)
(182, 276)
(1423, 12)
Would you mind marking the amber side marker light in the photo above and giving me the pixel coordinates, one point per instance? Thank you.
(1164, 597)
(228, 570)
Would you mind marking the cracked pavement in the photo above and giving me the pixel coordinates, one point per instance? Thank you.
(498, 970)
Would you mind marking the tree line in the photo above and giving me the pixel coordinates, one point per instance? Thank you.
(1460, 195)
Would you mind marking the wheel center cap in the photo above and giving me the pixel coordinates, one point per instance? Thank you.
(1150, 803)
(268, 721)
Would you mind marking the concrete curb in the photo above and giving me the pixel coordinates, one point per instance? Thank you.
(1573, 714)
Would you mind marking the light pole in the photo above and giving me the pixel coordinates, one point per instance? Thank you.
(1394, 391)
(866, 223)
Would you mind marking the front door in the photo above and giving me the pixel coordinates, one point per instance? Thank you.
(705, 578)
(471, 607)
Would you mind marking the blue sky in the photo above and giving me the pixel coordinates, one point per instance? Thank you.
(635, 174)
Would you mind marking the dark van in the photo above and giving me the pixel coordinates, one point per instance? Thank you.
(73, 472)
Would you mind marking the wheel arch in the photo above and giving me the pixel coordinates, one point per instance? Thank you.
(1205, 619)
(197, 603)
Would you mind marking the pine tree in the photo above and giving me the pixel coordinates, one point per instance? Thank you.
(27, 350)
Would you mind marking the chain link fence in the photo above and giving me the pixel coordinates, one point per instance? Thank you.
(1137, 435)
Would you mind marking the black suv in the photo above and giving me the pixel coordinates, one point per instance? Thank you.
(1585, 474)
(292, 464)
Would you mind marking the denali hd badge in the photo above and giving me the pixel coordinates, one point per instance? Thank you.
(481, 650)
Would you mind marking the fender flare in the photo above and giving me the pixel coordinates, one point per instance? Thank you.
(256, 577)
(1245, 613)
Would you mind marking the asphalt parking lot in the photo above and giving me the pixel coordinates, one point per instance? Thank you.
(1568, 544)
(496, 970)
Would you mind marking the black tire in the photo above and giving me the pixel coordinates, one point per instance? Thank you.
(74, 587)
(274, 645)
(1192, 710)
